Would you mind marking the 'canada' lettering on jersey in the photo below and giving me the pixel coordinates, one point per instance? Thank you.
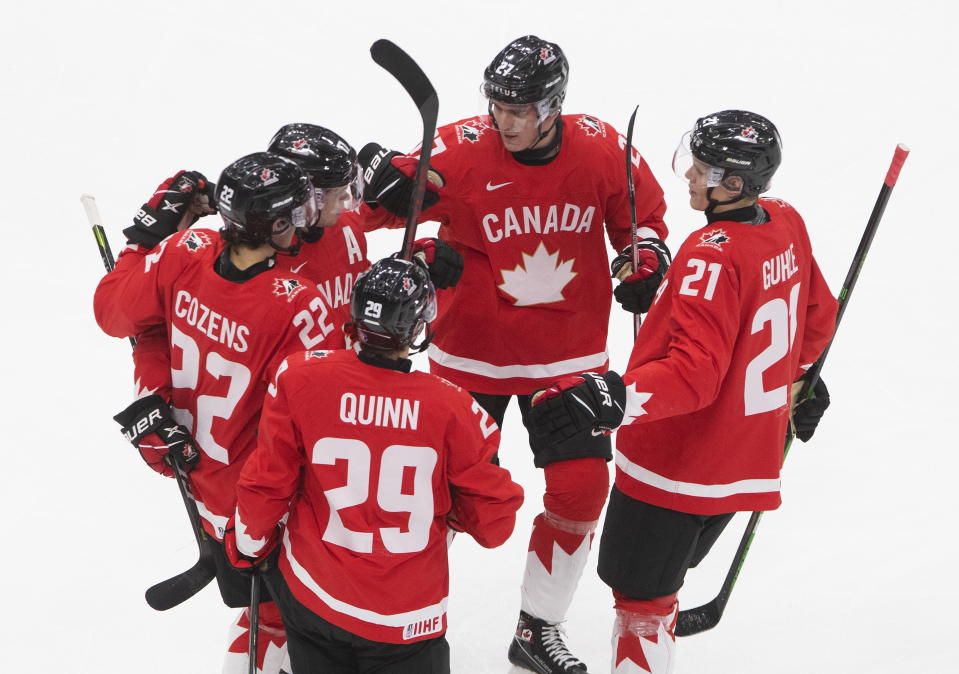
(741, 312)
(223, 340)
(535, 253)
(377, 460)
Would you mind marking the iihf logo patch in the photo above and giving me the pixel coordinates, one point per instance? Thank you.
(714, 238)
(287, 287)
(592, 126)
(195, 240)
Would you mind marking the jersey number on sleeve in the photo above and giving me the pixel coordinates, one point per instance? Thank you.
(699, 269)
(389, 493)
(781, 319)
(209, 407)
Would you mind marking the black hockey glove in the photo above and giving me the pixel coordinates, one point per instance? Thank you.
(148, 423)
(177, 203)
(808, 412)
(584, 403)
(390, 184)
(443, 262)
(637, 290)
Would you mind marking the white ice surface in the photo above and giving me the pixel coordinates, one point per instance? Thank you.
(855, 573)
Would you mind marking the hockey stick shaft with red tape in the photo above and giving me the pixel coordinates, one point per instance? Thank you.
(707, 616)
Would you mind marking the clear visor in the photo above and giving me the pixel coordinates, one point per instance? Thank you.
(304, 215)
(693, 171)
(347, 197)
(512, 117)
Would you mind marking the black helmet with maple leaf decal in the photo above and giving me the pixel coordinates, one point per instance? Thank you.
(393, 301)
(733, 143)
(528, 70)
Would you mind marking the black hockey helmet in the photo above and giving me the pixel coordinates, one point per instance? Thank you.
(739, 143)
(325, 156)
(393, 301)
(528, 70)
(257, 190)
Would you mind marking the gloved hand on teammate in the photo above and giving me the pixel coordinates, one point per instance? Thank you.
(389, 179)
(807, 413)
(588, 402)
(177, 203)
(637, 289)
(149, 425)
(246, 564)
(442, 261)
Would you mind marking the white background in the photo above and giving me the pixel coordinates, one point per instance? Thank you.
(856, 572)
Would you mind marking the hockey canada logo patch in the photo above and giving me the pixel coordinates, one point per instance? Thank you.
(195, 240)
(546, 56)
(714, 238)
(749, 135)
(592, 126)
(287, 287)
(268, 177)
(469, 132)
(408, 285)
(317, 354)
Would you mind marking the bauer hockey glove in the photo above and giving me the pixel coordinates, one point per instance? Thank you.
(177, 203)
(576, 404)
(389, 180)
(807, 413)
(149, 425)
(442, 261)
(637, 289)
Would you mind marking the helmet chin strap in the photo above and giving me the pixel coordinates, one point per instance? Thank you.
(292, 250)
(713, 203)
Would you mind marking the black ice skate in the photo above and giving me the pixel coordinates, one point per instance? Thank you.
(538, 646)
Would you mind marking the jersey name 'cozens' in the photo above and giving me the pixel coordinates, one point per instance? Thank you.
(217, 327)
(538, 220)
(373, 410)
(780, 268)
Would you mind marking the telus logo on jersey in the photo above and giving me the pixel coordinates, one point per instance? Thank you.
(538, 220)
(373, 410)
(216, 326)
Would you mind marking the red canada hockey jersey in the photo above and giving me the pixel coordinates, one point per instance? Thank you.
(533, 303)
(332, 263)
(741, 311)
(226, 340)
(373, 461)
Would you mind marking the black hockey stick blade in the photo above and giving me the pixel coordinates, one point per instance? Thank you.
(399, 64)
(174, 591)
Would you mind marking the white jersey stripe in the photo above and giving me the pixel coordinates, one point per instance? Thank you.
(539, 371)
(218, 522)
(387, 620)
(647, 476)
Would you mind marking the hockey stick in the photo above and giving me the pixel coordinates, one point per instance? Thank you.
(254, 618)
(399, 64)
(707, 616)
(168, 593)
(637, 319)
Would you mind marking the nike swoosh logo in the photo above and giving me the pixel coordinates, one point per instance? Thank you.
(490, 186)
(296, 270)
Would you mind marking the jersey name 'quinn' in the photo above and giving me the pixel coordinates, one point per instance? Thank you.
(374, 410)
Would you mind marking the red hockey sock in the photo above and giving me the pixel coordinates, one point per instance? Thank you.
(271, 643)
(644, 637)
(577, 489)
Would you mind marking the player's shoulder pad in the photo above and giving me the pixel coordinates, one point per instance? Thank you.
(592, 128)
(774, 206)
(196, 241)
(715, 241)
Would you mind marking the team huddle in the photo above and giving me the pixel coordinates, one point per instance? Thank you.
(273, 364)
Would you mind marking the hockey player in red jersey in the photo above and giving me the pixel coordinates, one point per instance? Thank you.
(525, 194)
(370, 465)
(705, 401)
(230, 317)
